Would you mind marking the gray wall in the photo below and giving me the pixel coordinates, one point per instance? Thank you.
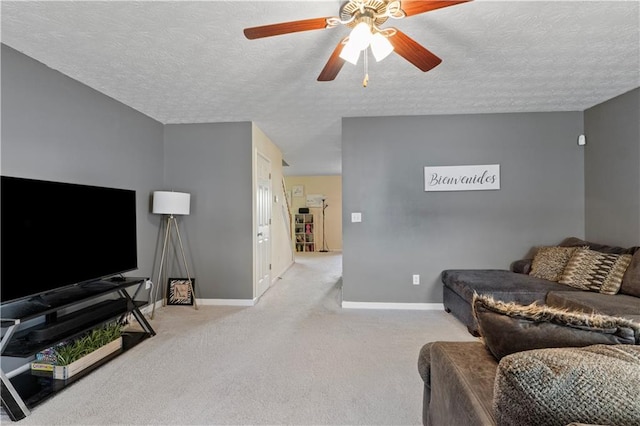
(612, 170)
(407, 231)
(55, 128)
(213, 163)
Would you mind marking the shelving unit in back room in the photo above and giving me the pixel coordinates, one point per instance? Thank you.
(305, 232)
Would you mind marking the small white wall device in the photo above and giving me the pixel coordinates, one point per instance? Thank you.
(582, 140)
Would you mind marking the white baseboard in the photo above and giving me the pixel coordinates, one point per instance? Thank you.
(284, 271)
(400, 306)
(227, 302)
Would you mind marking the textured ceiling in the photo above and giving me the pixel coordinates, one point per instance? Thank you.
(188, 62)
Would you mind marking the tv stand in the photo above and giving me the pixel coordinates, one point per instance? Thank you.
(31, 325)
(38, 301)
(56, 327)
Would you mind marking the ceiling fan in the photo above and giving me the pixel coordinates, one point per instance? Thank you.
(365, 18)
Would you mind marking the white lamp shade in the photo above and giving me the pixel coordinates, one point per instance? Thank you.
(166, 202)
(380, 46)
(350, 53)
(360, 36)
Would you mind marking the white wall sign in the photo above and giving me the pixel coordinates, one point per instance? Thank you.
(462, 178)
(315, 200)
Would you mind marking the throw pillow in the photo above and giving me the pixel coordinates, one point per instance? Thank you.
(549, 262)
(594, 271)
(508, 328)
(631, 280)
(592, 385)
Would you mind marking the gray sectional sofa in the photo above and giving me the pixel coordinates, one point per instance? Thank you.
(517, 286)
(467, 383)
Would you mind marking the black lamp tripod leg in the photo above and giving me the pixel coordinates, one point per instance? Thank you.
(324, 232)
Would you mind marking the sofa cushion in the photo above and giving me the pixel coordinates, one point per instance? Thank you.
(602, 248)
(593, 385)
(501, 284)
(508, 327)
(590, 270)
(631, 280)
(586, 301)
(549, 262)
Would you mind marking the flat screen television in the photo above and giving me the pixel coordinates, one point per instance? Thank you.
(56, 234)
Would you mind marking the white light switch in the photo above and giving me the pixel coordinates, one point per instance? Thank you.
(356, 217)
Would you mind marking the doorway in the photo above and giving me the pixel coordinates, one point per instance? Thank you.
(263, 225)
(314, 198)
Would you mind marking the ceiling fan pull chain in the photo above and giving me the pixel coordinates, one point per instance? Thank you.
(366, 67)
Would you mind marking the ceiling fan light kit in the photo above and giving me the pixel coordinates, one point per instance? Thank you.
(365, 18)
(360, 39)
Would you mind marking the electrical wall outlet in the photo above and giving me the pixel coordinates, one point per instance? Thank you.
(416, 279)
(356, 217)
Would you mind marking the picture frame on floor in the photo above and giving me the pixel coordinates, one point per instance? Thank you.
(179, 292)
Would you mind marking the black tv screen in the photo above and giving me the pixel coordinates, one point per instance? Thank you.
(57, 234)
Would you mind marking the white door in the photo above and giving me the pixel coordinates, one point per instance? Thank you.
(263, 217)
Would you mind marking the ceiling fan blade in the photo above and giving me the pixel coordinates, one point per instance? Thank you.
(333, 65)
(413, 52)
(414, 7)
(285, 28)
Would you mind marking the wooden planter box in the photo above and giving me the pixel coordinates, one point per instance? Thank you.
(67, 371)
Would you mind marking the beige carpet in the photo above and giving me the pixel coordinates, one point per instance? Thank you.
(295, 358)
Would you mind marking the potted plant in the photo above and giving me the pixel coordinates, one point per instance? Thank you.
(78, 354)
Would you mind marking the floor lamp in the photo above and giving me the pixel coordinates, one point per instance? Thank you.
(324, 249)
(171, 204)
